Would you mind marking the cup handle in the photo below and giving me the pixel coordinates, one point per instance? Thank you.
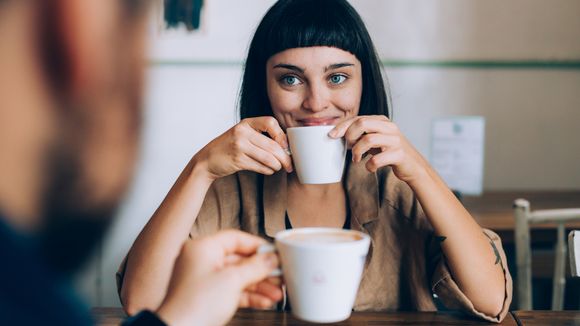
(267, 248)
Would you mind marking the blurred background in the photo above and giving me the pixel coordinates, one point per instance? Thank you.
(516, 63)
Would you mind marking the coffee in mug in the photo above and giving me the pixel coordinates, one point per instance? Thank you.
(321, 237)
(322, 269)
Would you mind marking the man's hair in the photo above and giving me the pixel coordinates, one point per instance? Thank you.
(305, 23)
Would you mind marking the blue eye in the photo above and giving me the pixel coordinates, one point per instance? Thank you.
(337, 79)
(290, 80)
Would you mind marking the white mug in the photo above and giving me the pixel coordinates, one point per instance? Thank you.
(322, 269)
(317, 158)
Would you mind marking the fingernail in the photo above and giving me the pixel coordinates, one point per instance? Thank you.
(332, 133)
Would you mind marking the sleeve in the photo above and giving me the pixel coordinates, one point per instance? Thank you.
(220, 210)
(452, 297)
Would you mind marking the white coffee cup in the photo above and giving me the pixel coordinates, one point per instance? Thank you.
(317, 158)
(322, 269)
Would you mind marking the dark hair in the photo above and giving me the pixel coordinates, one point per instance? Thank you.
(304, 23)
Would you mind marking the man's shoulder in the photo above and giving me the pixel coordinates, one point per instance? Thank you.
(30, 293)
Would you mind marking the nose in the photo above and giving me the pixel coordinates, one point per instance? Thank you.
(317, 98)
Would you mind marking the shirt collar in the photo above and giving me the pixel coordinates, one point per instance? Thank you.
(275, 202)
(362, 191)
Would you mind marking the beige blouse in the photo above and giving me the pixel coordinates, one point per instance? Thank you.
(405, 267)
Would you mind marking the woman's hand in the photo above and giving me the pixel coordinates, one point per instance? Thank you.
(152, 257)
(467, 250)
(244, 147)
(378, 136)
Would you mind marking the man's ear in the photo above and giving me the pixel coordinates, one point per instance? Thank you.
(85, 34)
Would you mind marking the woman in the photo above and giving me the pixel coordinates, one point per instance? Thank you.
(312, 62)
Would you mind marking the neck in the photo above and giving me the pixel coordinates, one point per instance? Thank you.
(316, 205)
(24, 118)
(312, 189)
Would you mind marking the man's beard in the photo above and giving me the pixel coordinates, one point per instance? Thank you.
(73, 226)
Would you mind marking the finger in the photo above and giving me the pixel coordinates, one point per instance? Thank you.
(232, 259)
(272, 147)
(264, 157)
(249, 157)
(254, 269)
(270, 126)
(255, 300)
(366, 125)
(242, 148)
(377, 141)
(250, 164)
(251, 288)
(341, 128)
(272, 282)
(234, 242)
(266, 289)
(275, 280)
(383, 159)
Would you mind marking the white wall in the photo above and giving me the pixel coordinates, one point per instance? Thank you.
(532, 119)
(406, 29)
(532, 141)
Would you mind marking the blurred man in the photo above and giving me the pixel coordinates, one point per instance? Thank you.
(70, 87)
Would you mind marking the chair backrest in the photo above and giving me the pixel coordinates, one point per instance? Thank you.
(524, 216)
(574, 252)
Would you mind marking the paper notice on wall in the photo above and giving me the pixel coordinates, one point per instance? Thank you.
(457, 151)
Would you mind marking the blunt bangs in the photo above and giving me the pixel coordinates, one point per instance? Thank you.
(322, 24)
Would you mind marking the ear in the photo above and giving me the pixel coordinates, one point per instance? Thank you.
(86, 29)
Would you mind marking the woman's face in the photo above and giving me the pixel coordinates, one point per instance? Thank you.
(313, 86)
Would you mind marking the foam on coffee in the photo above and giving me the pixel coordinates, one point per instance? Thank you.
(322, 237)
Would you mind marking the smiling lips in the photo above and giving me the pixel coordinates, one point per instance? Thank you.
(318, 121)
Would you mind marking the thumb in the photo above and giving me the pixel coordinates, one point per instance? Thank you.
(254, 269)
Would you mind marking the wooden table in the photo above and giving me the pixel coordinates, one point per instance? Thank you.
(114, 316)
(493, 210)
(547, 317)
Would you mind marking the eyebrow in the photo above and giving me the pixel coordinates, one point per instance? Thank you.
(289, 67)
(301, 70)
(338, 65)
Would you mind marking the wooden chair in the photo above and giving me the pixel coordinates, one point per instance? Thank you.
(524, 217)
(574, 250)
